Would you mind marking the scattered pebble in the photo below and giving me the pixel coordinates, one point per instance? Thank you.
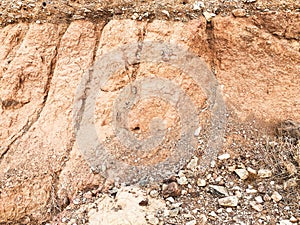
(212, 213)
(219, 189)
(172, 189)
(229, 210)
(242, 173)
(209, 16)
(197, 132)
(166, 13)
(231, 201)
(201, 182)
(224, 156)
(135, 16)
(291, 168)
(251, 191)
(192, 222)
(264, 173)
(293, 219)
(154, 193)
(170, 199)
(182, 181)
(250, 170)
(76, 201)
(239, 12)
(258, 207)
(259, 199)
(193, 163)
(276, 196)
(285, 222)
(290, 183)
(174, 212)
(198, 5)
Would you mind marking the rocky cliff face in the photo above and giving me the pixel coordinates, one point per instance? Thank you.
(256, 61)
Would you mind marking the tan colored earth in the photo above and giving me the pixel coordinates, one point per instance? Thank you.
(47, 48)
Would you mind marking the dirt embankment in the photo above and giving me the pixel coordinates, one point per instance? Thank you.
(47, 47)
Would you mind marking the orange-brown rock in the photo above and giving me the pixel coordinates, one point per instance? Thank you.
(255, 60)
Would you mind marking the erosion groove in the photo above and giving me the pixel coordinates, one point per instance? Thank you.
(47, 56)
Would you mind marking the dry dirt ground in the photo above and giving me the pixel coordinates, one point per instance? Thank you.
(251, 47)
(65, 11)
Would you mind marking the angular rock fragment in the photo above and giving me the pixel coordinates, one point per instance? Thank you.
(230, 201)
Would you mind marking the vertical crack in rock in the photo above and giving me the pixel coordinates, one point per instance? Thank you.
(136, 66)
(211, 44)
(53, 199)
(29, 123)
(55, 202)
(98, 32)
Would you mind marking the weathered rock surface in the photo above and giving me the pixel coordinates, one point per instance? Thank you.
(125, 209)
(259, 71)
(256, 60)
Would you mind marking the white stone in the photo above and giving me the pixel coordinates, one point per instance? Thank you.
(198, 5)
(201, 182)
(208, 16)
(224, 156)
(193, 163)
(239, 12)
(256, 206)
(153, 193)
(221, 189)
(174, 212)
(166, 13)
(183, 192)
(276, 196)
(197, 132)
(166, 213)
(181, 173)
(238, 194)
(231, 168)
(212, 163)
(188, 216)
(176, 205)
(242, 173)
(293, 219)
(192, 222)
(250, 170)
(231, 201)
(264, 173)
(219, 179)
(251, 191)
(182, 181)
(285, 222)
(170, 199)
(213, 214)
(135, 16)
(229, 210)
(76, 201)
(259, 199)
